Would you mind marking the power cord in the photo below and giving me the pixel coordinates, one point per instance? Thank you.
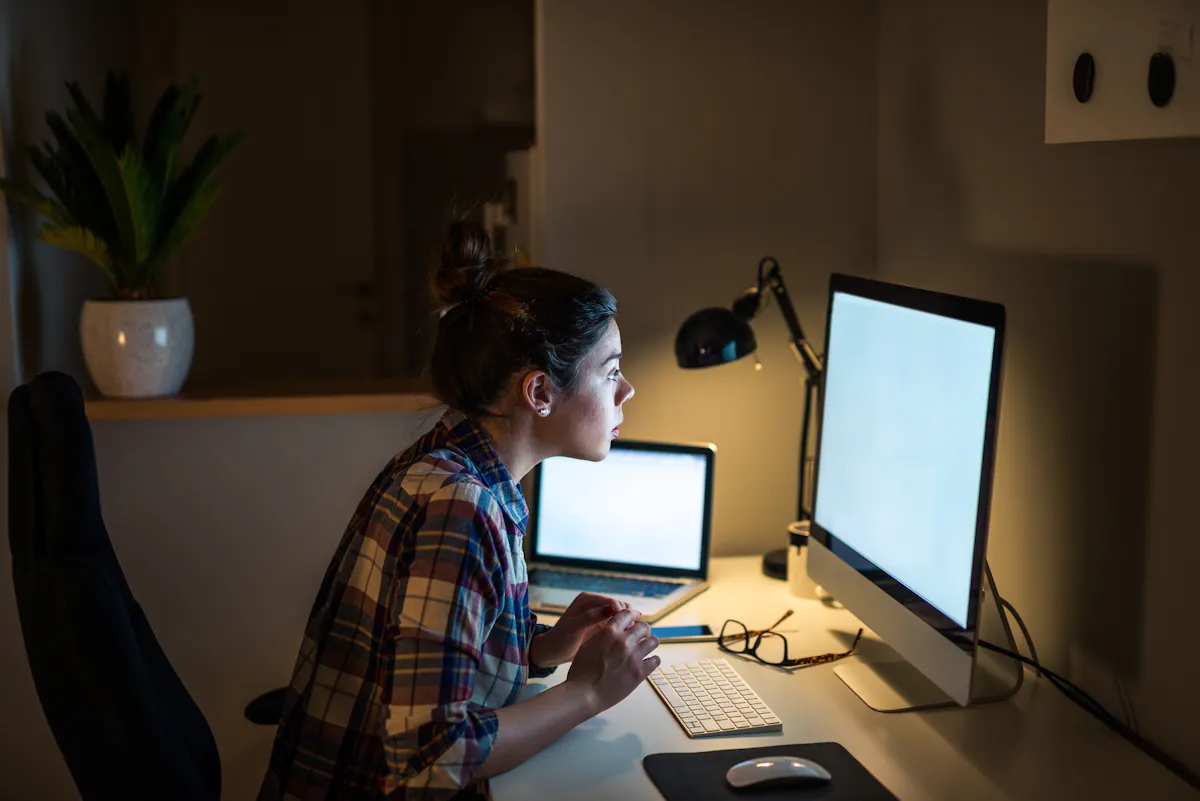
(1024, 631)
(1079, 696)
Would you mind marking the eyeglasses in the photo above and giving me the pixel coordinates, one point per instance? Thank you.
(770, 647)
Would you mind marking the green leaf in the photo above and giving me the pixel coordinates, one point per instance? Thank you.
(79, 240)
(186, 221)
(168, 123)
(189, 103)
(48, 207)
(48, 167)
(160, 133)
(108, 169)
(143, 198)
(126, 207)
(82, 106)
(87, 200)
(210, 156)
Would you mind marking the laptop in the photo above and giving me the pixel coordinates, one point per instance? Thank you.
(635, 526)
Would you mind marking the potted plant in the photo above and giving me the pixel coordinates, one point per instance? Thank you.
(127, 204)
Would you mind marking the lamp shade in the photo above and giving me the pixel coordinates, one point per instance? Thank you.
(713, 336)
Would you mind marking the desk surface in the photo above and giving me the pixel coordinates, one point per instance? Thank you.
(1039, 745)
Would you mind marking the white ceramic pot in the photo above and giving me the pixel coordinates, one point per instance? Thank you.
(137, 348)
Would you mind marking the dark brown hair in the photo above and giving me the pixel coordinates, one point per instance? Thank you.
(497, 320)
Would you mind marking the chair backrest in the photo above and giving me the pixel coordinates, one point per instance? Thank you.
(124, 722)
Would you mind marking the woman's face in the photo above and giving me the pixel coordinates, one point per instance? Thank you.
(585, 423)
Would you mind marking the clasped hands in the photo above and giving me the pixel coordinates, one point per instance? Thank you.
(586, 615)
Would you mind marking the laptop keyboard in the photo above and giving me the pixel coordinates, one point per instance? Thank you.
(603, 585)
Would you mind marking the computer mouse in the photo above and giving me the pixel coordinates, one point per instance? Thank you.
(767, 772)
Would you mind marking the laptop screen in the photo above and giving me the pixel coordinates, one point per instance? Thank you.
(645, 506)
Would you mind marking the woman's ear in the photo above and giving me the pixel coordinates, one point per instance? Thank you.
(535, 392)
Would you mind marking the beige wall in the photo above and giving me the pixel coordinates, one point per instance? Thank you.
(1092, 247)
(682, 141)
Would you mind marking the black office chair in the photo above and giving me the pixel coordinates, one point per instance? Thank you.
(122, 718)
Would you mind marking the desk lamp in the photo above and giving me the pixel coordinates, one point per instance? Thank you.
(717, 335)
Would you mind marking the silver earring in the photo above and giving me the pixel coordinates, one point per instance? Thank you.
(544, 411)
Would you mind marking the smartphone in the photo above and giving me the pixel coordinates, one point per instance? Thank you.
(699, 633)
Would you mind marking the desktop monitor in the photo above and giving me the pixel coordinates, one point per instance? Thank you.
(903, 481)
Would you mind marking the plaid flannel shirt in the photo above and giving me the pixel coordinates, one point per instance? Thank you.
(420, 629)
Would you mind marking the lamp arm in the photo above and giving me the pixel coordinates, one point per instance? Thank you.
(800, 345)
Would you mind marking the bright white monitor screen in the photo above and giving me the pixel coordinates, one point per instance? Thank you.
(905, 410)
(634, 507)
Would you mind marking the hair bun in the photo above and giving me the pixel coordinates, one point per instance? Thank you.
(467, 269)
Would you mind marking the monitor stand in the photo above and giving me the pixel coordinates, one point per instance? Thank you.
(894, 685)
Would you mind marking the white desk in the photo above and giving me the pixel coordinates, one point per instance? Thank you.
(1039, 745)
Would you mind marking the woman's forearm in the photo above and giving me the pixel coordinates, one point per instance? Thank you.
(529, 726)
(540, 652)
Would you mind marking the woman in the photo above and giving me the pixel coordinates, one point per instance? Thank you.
(421, 639)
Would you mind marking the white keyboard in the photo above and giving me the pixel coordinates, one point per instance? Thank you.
(710, 699)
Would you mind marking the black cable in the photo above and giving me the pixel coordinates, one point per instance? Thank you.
(1067, 687)
(1093, 706)
(1005, 608)
(1078, 695)
(1081, 697)
(1028, 639)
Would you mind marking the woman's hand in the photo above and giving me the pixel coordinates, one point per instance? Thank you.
(615, 661)
(586, 615)
(607, 668)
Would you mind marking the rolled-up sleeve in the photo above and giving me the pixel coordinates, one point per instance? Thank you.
(445, 603)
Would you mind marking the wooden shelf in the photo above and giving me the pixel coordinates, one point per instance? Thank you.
(316, 398)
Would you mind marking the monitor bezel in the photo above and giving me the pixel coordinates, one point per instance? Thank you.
(955, 307)
(708, 451)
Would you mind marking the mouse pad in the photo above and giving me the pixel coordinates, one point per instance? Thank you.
(700, 776)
